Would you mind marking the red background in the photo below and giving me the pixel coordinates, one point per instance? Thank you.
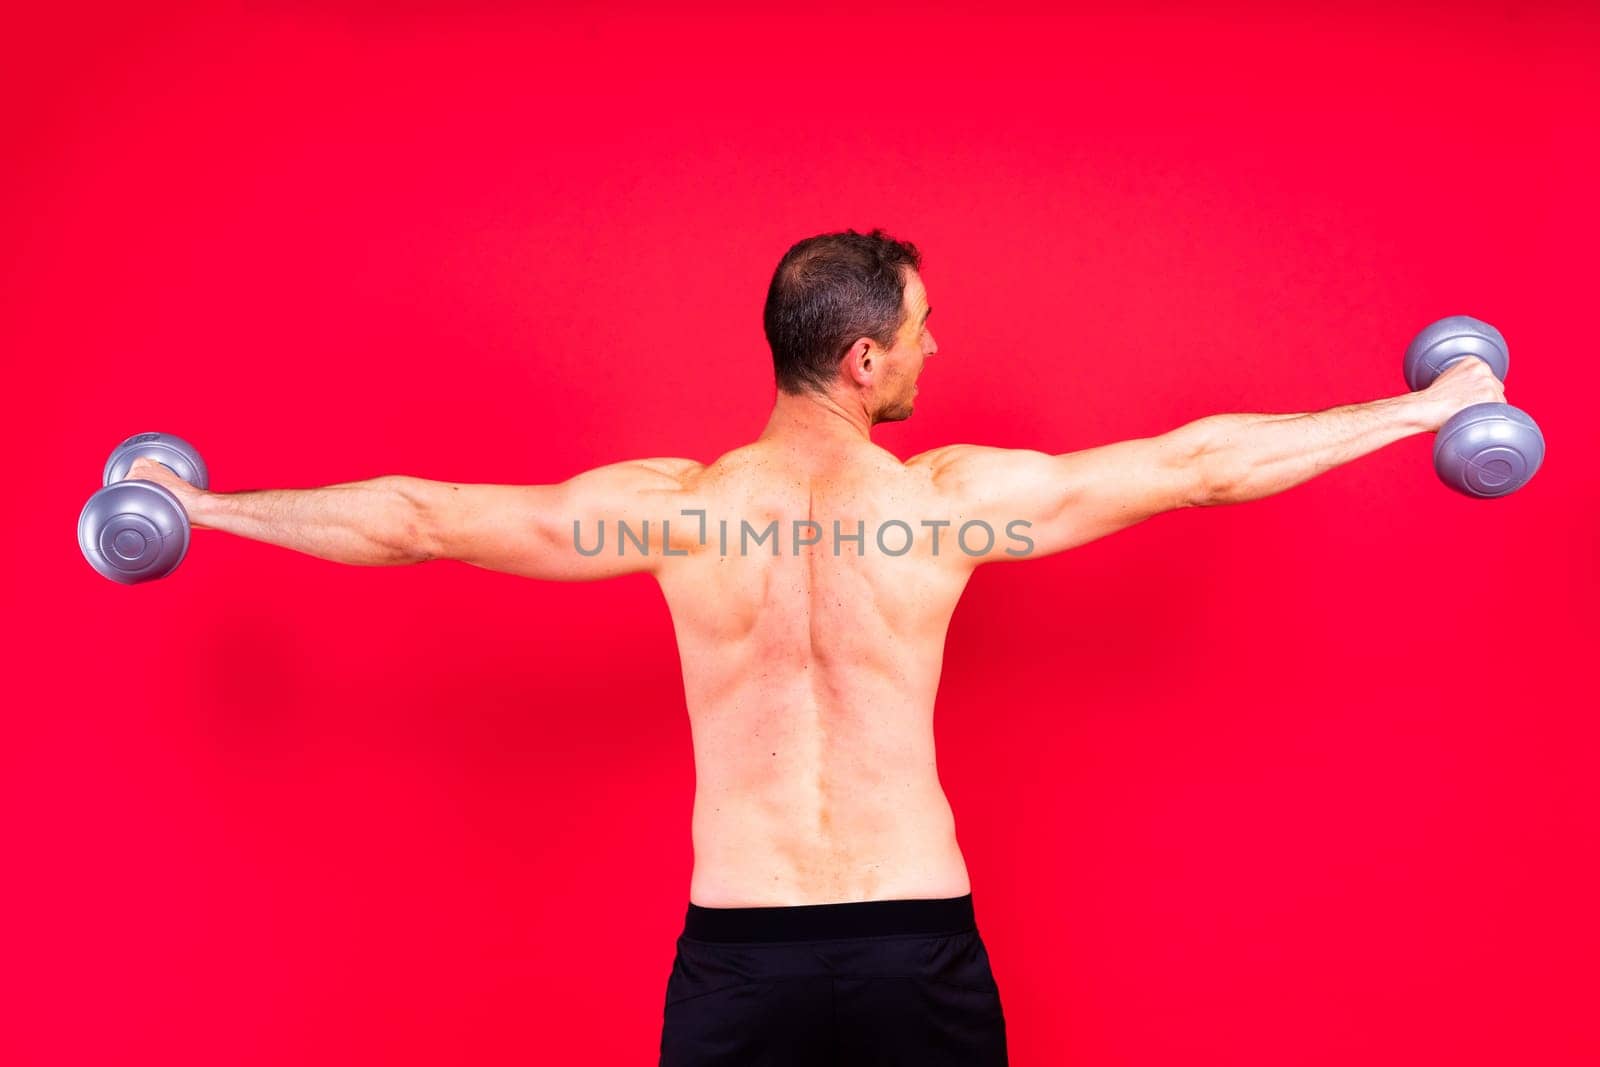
(1303, 781)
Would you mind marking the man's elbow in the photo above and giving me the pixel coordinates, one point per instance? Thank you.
(1211, 486)
(417, 538)
(1202, 480)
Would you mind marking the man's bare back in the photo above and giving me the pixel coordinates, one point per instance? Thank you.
(810, 678)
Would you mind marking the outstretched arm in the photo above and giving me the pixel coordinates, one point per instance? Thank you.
(1048, 503)
(1252, 456)
(397, 520)
(1067, 500)
(569, 532)
(371, 523)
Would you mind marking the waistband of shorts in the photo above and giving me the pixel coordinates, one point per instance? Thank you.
(819, 922)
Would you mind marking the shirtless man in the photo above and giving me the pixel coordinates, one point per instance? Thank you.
(811, 576)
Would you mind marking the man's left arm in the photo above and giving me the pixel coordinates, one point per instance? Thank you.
(601, 523)
(371, 523)
(399, 520)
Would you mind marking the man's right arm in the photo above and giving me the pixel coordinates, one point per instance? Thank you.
(1247, 457)
(1069, 499)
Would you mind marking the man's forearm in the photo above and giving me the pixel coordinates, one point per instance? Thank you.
(368, 524)
(1247, 457)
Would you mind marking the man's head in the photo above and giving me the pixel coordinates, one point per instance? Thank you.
(848, 311)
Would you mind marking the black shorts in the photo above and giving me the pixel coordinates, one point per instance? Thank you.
(877, 981)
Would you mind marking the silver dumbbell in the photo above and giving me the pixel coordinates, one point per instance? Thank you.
(133, 530)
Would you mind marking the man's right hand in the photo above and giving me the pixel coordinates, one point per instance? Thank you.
(1466, 382)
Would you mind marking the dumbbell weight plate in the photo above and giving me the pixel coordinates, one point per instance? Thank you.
(182, 458)
(135, 531)
(1488, 450)
(1443, 342)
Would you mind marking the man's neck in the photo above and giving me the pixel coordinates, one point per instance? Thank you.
(817, 419)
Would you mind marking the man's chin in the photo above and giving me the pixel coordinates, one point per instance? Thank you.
(899, 411)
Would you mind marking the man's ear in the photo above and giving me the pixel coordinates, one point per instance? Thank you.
(859, 362)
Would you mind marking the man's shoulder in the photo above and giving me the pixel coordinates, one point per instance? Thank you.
(934, 458)
(940, 463)
(656, 474)
(672, 468)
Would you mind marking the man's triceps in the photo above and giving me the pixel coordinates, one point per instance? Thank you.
(1066, 500)
(498, 527)
(597, 524)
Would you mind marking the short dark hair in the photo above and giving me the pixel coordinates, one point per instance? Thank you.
(828, 291)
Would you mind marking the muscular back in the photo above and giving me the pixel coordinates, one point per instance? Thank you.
(810, 670)
(809, 674)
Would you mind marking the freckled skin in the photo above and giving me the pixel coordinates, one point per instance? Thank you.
(810, 671)
(810, 677)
